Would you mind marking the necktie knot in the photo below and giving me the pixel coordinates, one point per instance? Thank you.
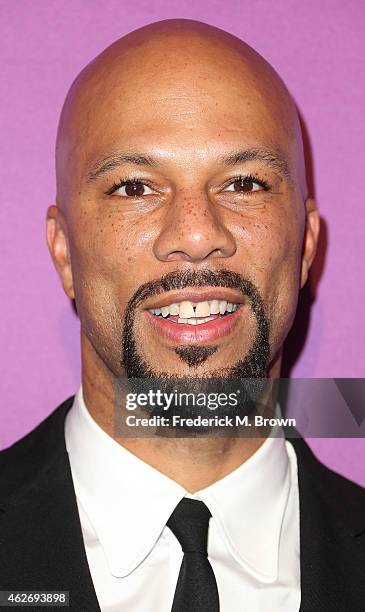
(189, 523)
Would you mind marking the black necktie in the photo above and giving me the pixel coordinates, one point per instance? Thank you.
(196, 589)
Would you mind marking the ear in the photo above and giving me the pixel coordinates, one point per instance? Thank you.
(310, 242)
(56, 233)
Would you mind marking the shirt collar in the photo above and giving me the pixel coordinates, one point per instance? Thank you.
(249, 506)
(128, 502)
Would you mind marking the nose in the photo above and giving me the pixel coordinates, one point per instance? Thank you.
(193, 229)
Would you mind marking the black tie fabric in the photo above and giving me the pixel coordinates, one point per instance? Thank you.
(196, 589)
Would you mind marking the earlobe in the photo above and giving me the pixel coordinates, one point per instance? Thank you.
(310, 240)
(56, 233)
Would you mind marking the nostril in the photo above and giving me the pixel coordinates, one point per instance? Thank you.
(178, 255)
(193, 243)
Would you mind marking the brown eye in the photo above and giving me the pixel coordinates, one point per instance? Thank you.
(132, 189)
(244, 184)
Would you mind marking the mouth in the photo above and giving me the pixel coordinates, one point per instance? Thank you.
(194, 313)
(191, 318)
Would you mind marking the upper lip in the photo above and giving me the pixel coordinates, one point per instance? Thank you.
(196, 294)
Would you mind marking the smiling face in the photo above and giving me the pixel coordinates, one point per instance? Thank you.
(181, 229)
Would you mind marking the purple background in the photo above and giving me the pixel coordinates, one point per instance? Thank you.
(317, 48)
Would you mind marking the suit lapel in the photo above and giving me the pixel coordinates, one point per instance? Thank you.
(40, 534)
(332, 553)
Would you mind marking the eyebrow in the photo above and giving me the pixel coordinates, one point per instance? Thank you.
(109, 163)
(272, 158)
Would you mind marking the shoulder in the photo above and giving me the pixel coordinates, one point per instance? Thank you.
(21, 462)
(341, 496)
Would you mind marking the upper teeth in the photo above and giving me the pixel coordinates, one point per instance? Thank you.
(187, 309)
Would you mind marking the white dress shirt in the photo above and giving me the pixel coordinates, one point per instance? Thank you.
(134, 559)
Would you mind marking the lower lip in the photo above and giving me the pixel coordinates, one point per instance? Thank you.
(183, 333)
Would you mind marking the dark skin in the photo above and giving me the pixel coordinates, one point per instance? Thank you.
(189, 108)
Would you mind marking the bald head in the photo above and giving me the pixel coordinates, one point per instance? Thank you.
(179, 164)
(170, 70)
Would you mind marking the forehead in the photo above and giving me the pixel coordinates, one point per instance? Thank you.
(181, 101)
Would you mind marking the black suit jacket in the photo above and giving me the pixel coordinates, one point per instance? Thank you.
(41, 545)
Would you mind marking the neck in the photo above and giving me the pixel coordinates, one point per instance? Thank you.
(194, 463)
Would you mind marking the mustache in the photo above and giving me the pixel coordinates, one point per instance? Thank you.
(198, 278)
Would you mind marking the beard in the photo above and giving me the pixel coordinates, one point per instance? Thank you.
(249, 373)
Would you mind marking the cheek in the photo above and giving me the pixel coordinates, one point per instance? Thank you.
(284, 258)
(104, 248)
(271, 246)
(99, 262)
(106, 255)
(275, 256)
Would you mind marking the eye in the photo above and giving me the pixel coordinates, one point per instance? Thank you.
(246, 184)
(131, 188)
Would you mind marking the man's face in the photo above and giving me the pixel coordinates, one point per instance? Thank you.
(183, 202)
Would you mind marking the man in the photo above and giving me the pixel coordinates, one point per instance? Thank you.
(184, 232)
